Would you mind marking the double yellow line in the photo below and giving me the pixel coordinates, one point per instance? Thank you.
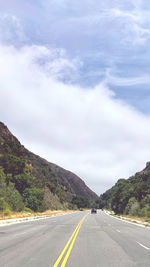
(69, 244)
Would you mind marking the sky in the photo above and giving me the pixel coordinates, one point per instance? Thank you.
(75, 84)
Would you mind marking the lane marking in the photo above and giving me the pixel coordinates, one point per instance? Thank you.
(72, 241)
(118, 231)
(65, 248)
(124, 221)
(142, 245)
(70, 248)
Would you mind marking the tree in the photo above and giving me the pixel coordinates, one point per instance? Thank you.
(14, 198)
(3, 204)
(81, 201)
(23, 181)
(121, 195)
(33, 198)
(12, 164)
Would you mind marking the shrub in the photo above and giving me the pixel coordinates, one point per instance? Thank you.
(80, 201)
(13, 198)
(33, 199)
(28, 210)
(2, 176)
(23, 181)
(145, 212)
(7, 212)
(131, 206)
(3, 204)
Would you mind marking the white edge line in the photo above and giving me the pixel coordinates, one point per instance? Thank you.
(123, 220)
(142, 245)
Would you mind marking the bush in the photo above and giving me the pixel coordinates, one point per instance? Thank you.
(81, 201)
(7, 212)
(3, 204)
(33, 199)
(75, 207)
(132, 206)
(61, 194)
(13, 198)
(145, 212)
(22, 181)
(12, 164)
(28, 210)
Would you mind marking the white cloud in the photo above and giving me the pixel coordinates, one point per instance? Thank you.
(125, 14)
(119, 30)
(122, 81)
(84, 130)
(136, 27)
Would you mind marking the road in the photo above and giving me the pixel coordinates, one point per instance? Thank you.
(90, 240)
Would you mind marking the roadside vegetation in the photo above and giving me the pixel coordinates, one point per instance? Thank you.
(129, 197)
(29, 183)
(29, 213)
(20, 193)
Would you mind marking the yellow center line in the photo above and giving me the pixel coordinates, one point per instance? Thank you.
(72, 241)
(71, 246)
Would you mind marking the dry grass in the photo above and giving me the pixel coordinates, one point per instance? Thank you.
(24, 214)
(139, 220)
(142, 220)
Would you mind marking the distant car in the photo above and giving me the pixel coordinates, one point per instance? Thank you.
(93, 210)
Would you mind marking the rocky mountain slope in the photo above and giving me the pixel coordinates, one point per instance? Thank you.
(34, 178)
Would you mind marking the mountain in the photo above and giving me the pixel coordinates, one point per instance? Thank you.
(131, 196)
(78, 185)
(36, 183)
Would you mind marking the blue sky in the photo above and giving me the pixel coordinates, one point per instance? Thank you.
(103, 35)
(90, 51)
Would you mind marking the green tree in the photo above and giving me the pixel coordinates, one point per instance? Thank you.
(33, 199)
(81, 201)
(3, 204)
(14, 198)
(12, 164)
(11, 197)
(132, 207)
(121, 195)
(23, 181)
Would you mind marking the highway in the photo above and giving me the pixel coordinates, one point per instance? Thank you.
(74, 240)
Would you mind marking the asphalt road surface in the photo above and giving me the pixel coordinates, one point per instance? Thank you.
(74, 240)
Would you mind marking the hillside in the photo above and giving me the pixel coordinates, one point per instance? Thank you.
(34, 182)
(131, 196)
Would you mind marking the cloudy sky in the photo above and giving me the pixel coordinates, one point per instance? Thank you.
(75, 83)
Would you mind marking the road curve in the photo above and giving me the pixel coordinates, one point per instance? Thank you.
(74, 240)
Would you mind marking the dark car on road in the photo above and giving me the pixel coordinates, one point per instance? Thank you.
(93, 210)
